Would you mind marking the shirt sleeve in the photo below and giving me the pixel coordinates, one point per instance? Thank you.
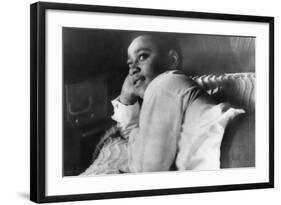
(126, 116)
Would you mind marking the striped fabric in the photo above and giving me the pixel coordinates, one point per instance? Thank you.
(236, 88)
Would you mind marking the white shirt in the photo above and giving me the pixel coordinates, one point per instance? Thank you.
(177, 123)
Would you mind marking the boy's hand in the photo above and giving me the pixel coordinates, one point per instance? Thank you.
(129, 93)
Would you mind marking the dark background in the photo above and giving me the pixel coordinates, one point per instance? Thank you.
(94, 67)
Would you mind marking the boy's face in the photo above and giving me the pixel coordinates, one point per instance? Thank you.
(145, 61)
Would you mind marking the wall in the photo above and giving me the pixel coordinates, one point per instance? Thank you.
(205, 54)
(14, 109)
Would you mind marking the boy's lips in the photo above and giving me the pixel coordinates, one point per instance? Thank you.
(139, 80)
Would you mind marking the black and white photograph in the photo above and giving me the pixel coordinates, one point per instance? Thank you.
(132, 102)
(139, 101)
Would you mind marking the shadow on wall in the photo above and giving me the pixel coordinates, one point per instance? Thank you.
(205, 54)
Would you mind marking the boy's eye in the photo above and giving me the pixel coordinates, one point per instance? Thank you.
(143, 56)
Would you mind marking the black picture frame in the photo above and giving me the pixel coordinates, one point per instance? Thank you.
(38, 100)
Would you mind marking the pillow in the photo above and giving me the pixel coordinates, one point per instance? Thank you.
(201, 136)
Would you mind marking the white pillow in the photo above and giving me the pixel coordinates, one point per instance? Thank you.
(201, 137)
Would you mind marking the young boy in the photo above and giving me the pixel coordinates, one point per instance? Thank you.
(178, 124)
(177, 127)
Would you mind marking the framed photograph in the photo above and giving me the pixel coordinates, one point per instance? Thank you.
(129, 102)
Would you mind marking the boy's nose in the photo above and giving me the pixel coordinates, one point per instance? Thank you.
(133, 70)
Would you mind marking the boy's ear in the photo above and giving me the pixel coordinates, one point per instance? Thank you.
(174, 59)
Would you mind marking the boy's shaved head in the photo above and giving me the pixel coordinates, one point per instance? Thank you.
(164, 41)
